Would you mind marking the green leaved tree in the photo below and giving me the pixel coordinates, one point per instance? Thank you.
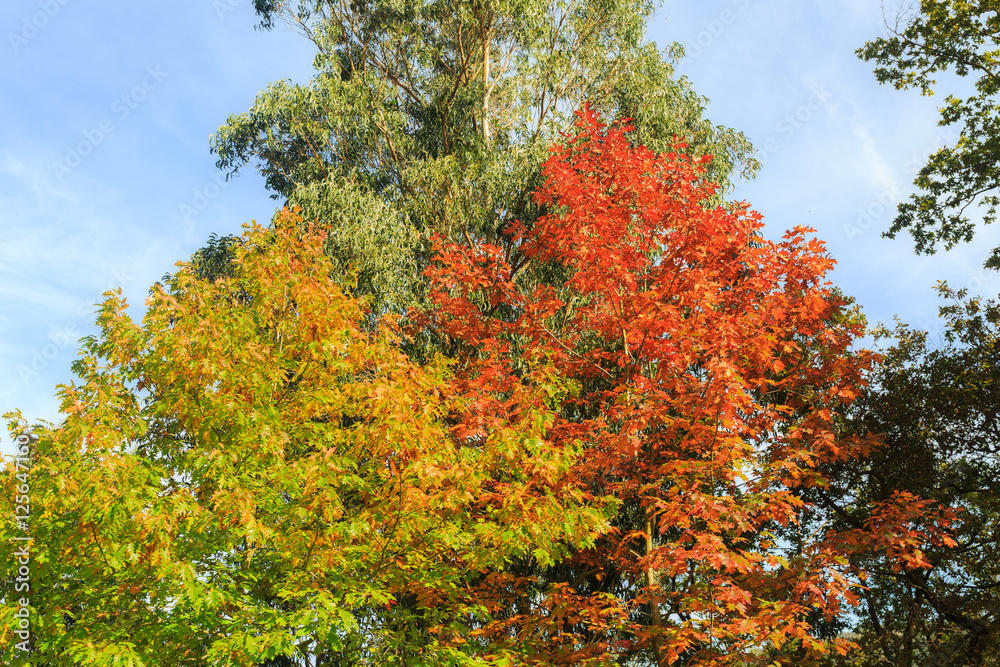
(959, 37)
(935, 407)
(435, 116)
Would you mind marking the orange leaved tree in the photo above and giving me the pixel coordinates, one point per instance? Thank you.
(707, 368)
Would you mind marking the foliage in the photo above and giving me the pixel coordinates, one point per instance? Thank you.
(957, 36)
(434, 116)
(638, 397)
(252, 473)
(937, 410)
(713, 368)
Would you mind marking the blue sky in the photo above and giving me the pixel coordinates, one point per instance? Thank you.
(106, 178)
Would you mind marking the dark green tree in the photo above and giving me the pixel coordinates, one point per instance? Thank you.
(936, 408)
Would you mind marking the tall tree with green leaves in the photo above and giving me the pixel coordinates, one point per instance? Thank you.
(936, 406)
(434, 116)
(958, 37)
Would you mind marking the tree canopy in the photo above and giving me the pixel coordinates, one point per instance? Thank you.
(713, 369)
(935, 407)
(510, 383)
(595, 469)
(249, 474)
(434, 116)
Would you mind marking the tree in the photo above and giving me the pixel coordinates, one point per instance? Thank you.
(949, 36)
(434, 116)
(251, 475)
(936, 408)
(710, 371)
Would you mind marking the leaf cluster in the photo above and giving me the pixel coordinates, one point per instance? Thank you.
(956, 36)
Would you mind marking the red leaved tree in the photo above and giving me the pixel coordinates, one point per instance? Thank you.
(708, 367)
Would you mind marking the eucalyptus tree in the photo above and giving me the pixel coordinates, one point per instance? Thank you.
(433, 117)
